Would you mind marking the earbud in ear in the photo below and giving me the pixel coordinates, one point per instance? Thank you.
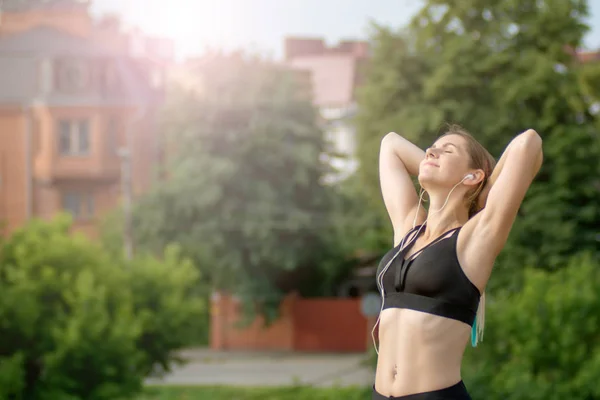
(470, 176)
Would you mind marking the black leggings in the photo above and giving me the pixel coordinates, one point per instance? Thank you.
(454, 392)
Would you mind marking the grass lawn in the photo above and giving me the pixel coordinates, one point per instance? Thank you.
(233, 393)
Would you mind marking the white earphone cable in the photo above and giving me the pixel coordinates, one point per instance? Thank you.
(379, 278)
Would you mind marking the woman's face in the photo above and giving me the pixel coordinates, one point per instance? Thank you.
(446, 162)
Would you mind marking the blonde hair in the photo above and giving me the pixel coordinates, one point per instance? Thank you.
(480, 158)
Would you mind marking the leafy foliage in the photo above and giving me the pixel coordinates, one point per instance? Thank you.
(543, 342)
(167, 304)
(75, 324)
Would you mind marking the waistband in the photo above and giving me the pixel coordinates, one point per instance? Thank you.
(454, 392)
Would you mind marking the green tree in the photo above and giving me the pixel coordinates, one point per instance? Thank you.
(243, 194)
(351, 234)
(497, 68)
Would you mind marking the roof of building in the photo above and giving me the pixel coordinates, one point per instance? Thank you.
(21, 53)
(49, 41)
(28, 5)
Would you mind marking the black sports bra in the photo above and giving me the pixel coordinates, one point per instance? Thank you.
(431, 280)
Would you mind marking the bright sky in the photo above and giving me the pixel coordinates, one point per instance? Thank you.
(262, 24)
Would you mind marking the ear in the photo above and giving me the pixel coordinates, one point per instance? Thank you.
(475, 187)
(479, 176)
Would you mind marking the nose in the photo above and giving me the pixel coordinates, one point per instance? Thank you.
(430, 153)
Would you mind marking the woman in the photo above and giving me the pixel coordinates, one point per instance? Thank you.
(433, 279)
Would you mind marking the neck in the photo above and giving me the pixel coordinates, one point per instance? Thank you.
(452, 215)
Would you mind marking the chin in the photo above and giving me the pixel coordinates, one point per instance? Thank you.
(429, 182)
(426, 180)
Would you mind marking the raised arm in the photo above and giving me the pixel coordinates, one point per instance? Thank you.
(506, 189)
(398, 160)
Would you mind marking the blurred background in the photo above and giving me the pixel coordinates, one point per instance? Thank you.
(190, 202)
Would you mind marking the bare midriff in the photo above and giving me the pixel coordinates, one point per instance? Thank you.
(418, 352)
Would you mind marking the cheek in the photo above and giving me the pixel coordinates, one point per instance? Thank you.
(455, 164)
(452, 171)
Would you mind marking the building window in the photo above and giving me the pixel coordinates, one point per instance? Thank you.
(74, 76)
(79, 204)
(74, 137)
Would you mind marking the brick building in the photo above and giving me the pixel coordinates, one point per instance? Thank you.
(74, 93)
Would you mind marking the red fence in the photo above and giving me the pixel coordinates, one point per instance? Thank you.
(315, 325)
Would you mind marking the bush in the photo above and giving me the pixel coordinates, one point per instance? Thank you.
(75, 323)
(198, 329)
(166, 300)
(542, 343)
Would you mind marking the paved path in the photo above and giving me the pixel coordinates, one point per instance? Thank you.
(206, 367)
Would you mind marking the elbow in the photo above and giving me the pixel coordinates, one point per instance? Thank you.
(528, 142)
(389, 137)
(531, 140)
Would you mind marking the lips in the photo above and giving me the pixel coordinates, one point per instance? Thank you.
(431, 164)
